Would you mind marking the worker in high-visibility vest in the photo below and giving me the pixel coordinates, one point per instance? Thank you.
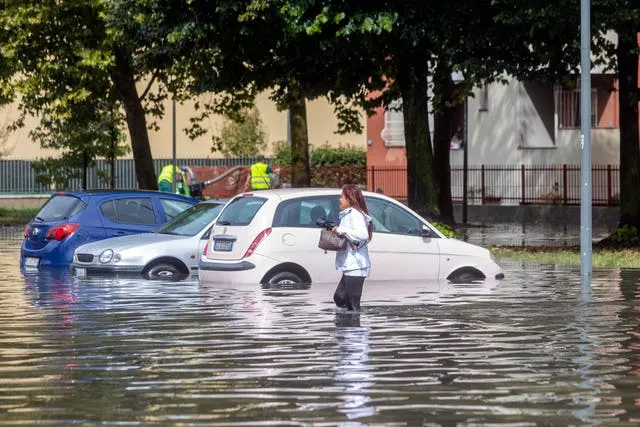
(167, 174)
(259, 174)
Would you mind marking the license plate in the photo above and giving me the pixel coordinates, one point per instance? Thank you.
(31, 262)
(79, 272)
(223, 245)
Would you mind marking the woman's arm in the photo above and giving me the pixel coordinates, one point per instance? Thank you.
(354, 227)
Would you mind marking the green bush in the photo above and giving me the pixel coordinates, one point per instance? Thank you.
(445, 229)
(626, 235)
(325, 156)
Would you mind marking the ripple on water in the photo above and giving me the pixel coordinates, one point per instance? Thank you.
(535, 348)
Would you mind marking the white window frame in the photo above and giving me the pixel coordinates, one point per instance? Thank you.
(393, 132)
(569, 117)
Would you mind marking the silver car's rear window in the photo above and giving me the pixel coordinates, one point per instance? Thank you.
(60, 207)
(240, 211)
(192, 221)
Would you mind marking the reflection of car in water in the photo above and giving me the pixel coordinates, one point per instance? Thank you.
(68, 220)
(271, 236)
(171, 252)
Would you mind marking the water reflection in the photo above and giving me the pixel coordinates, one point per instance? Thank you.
(532, 349)
(353, 374)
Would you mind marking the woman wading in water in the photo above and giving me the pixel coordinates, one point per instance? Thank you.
(355, 225)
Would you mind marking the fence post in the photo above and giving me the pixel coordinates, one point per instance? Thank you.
(373, 178)
(522, 184)
(564, 184)
(482, 189)
(609, 190)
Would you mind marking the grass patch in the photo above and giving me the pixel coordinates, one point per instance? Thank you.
(16, 216)
(601, 258)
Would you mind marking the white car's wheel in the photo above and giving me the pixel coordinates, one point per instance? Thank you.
(466, 275)
(284, 278)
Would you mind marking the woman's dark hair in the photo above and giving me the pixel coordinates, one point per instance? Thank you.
(354, 196)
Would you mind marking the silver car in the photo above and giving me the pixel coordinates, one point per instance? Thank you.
(171, 252)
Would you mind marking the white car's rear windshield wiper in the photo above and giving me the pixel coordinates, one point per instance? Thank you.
(224, 222)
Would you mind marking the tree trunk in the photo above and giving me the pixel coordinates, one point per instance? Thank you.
(421, 185)
(300, 170)
(124, 82)
(444, 108)
(629, 138)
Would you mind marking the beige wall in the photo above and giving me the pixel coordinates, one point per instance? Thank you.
(321, 125)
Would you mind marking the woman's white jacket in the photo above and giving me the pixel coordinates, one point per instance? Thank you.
(354, 260)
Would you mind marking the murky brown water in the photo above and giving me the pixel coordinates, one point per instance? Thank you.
(533, 349)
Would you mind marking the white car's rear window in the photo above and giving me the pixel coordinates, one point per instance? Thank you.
(240, 211)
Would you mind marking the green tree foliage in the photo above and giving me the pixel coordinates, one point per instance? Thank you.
(5, 149)
(59, 61)
(623, 16)
(266, 45)
(244, 137)
(553, 30)
(89, 69)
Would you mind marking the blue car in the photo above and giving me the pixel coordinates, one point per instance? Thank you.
(70, 219)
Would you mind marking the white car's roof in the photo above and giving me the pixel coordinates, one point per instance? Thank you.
(287, 193)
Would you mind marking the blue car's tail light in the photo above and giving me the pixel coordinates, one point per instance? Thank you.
(61, 232)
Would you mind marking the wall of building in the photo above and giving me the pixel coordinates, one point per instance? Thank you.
(510, 132)
(322, 125)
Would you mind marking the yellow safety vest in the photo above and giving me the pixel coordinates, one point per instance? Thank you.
(166, 174)
(260, 179)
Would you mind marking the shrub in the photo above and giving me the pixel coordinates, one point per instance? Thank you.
(348, 156)
(625, 235)
(445, 229)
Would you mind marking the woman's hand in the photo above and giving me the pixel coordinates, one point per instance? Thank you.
(334, 229)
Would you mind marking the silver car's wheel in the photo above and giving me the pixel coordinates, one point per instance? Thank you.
(164, 271)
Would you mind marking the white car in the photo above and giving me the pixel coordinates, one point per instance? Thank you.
(171, 252)
(271, 237)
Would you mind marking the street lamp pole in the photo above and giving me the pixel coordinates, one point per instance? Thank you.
(173, 140)
(465, 162)
(585, 143)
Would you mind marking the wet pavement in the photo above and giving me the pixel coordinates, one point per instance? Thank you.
(535, 348)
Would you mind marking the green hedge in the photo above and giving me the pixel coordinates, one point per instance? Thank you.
(332, 177)
(345, 156)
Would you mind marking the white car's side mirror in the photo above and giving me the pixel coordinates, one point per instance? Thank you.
(426, 231)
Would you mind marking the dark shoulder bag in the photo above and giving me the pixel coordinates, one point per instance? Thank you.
(330, 241)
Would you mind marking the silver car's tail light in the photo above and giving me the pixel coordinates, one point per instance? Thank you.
(259, 238)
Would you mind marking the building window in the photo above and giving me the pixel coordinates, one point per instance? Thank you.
(393, 132)
(569, 108)
(483, 98)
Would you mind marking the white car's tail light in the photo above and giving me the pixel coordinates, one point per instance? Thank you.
(259, 238)
(206, 246)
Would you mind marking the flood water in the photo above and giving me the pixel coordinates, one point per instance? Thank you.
(533, 349)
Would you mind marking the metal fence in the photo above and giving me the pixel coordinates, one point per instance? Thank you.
(512, 185)
(18, 177)
(507, 185)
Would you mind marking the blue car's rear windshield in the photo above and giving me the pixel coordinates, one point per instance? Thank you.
(241, 210)
(60, 207)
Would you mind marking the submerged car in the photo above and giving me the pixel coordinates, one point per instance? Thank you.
(68, 220)
(171, 252)
(271, 237)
